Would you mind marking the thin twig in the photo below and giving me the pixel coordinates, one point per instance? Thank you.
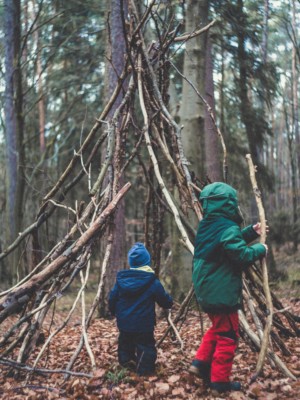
(175, 330)
(14, 364)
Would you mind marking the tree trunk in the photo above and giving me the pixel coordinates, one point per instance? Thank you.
(192, 117)
(265, 32)
(212, 148)
(246, 108)
(295, 124)
(41, 100)
(14, 122)
(192, 112)
(117, 61)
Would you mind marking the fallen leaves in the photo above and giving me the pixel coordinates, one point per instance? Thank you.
(174, 378)
(162, 388)
(171, 381)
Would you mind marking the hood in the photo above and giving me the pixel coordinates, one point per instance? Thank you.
(220, 199)
(133, 281)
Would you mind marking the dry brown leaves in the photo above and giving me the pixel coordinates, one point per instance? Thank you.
(172, 381)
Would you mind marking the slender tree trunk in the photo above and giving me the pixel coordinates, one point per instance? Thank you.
(265, 32)
(192, 117)
(222, 87)
(296, 130)
(212, 161)
(117, 61)
(245, 103)
(192, 112)
(14, 122)
(41, 101)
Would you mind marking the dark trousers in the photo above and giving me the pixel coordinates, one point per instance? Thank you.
(137, 349)
(219, 344)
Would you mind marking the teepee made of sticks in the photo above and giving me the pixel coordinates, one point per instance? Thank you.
(24, 306)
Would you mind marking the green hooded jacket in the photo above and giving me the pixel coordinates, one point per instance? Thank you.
(221, 251)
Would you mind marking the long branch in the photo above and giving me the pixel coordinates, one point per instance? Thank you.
(22, 294)
(155, 164)
(269, 319)
(158, 96)
(14, 364)
(255, 339)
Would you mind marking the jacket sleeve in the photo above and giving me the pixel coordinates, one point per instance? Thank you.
(112, 300)
(162, 298)
(236, 248)
(249, 234)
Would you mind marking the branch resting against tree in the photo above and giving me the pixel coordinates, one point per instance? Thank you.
(269, 319)
(19, 297)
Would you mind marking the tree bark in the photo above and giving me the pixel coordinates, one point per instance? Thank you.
(14, 122)
(192, 118)
(192, 112)
(212, 148)
(295, 124)
(118, 12)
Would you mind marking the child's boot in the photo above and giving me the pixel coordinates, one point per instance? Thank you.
(222, 387)
(201, 369)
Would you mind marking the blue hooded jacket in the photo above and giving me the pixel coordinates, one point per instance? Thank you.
(132, 300)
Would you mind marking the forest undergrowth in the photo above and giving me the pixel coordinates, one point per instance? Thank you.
(172, 380)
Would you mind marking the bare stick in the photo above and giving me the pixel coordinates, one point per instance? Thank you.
(175, 330)
(187, 36)
(184, 304)
(158, 96)
(21, 295)
(255, 339)
(269, 304)
(62, 326)
(251, 306)
(14, 364)
(83, 324)
(95, 303)
(163, 187)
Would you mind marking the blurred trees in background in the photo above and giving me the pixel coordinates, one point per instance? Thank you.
(56, 58)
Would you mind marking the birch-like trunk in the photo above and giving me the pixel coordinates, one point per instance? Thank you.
(192, 117)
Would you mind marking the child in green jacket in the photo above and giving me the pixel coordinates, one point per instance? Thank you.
(221, 254)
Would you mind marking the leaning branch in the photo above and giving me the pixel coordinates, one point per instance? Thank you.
(255, 339)
(191, 35)
(269, 304)
(22, 294)
(155, 163)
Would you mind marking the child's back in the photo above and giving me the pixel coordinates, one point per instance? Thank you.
(132, 300)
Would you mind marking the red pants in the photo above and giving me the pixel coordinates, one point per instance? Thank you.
(218, 345)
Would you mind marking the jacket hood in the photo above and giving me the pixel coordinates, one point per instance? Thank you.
(133, 281)
(220, 199)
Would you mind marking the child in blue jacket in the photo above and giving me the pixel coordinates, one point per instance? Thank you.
(132, 300)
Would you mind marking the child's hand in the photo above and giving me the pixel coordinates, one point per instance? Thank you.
(257, 228)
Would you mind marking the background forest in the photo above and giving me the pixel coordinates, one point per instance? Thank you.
(114, 115)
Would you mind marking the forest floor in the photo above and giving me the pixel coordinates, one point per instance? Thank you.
(172, 379)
